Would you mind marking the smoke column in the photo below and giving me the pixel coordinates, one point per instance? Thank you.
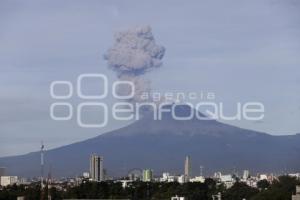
(133, 54)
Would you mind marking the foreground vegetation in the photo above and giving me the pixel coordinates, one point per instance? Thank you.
(281, 189)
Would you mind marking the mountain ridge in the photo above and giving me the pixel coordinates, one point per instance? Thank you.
(162, 145)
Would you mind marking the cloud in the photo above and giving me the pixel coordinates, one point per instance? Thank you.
(133, 54)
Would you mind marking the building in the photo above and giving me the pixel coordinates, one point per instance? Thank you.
(296, 175)
(96, 168)
(166, 177)
(199, 179)
(125, 183)
(297, 195)
(263, 177)
(228, 180)
(181, 179)
(252, 182)
(147, 175)
(246, 174)
(8, 180)
(177, 198)
(86, 175)
(187, 168)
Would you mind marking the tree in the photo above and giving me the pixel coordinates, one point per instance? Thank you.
(281, 189)
(263, 184)
(240, 191)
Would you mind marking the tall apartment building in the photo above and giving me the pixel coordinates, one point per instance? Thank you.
(187, 169)
(96, 168)
(147, 175)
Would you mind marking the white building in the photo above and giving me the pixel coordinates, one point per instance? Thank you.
(200, 179)
(8, 180)
(166, 177)
(125, 183)
(228, 180)
(217, 175)
(251, 182)
(86, 174)
(181, 179)
(177, 198)
(172, 179)
(296, 175)
(246, 174)
(263, 177)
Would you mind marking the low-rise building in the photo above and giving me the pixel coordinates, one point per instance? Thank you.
(296, 175)
(177, 198)
(8, 180)
(166, 177)
(263, 177)
(200, 179)
(125, 183)
(181, 179)
(228, 180)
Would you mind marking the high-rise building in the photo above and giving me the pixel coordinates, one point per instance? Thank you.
(147, 175)
(96, 168)
(187, 168)
(246, 174)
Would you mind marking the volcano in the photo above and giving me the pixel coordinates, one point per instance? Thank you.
(162, 146)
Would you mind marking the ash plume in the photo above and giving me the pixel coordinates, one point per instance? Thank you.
(133, 54)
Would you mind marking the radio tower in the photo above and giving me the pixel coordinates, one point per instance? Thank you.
(42, 170)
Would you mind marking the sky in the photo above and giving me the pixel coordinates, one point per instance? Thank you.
(240, 50)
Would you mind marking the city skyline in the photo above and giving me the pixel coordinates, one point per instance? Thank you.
(253, 47)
